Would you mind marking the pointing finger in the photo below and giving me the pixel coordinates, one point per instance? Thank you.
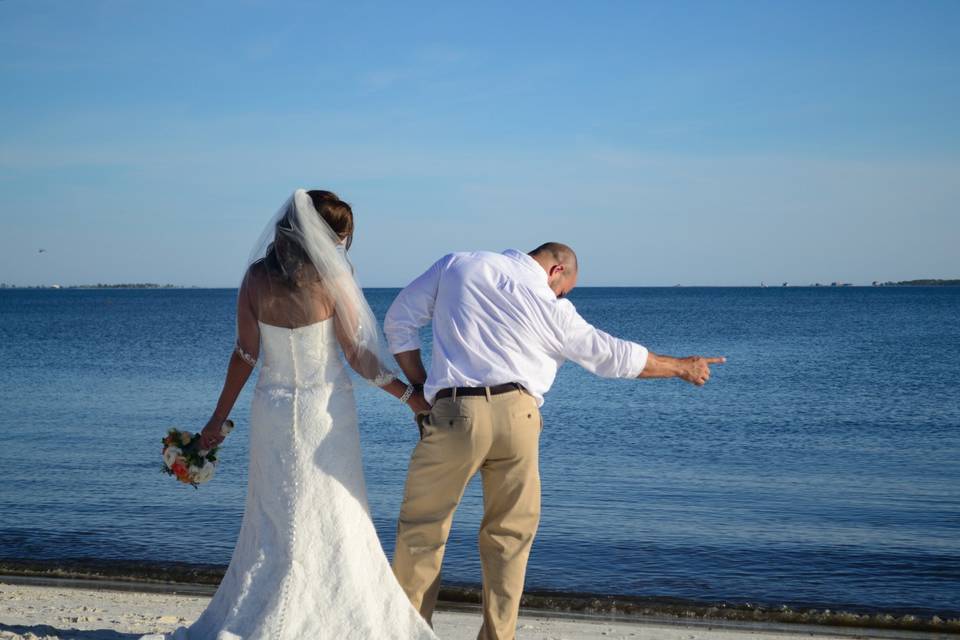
(719, 360)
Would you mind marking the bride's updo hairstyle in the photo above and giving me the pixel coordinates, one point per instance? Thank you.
(286, 257)
(335, 212)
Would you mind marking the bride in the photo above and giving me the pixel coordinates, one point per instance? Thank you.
(308, 563)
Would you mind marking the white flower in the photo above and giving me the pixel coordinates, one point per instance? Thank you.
(202, 474)
(170, 455)
(226, 427)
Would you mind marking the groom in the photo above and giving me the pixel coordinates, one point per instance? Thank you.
(501, 329)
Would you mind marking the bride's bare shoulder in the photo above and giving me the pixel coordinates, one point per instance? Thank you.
(256, 275)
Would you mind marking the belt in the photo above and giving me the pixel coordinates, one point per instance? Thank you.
(480, 391)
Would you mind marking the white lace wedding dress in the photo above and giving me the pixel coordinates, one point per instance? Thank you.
(308, 563)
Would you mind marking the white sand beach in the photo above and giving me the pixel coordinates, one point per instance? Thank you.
(63, 613)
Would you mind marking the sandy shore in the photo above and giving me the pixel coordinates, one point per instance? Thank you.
(43, 612)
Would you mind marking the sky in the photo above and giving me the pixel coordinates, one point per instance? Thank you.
(692, 143)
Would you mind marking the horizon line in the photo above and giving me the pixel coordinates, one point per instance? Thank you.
(785, 285)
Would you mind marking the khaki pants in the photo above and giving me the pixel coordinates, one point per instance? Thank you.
(499, 436)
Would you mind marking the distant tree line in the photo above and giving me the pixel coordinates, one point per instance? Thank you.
(932, 282)
(99, 285)
(133, 285)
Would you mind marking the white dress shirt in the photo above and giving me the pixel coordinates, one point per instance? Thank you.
(496, 320)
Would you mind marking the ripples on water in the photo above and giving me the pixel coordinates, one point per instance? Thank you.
(818, 467)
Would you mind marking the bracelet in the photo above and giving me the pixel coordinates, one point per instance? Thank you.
(246, 357)
(406, 394)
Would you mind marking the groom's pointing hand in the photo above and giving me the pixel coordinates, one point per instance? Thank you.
(697, 369)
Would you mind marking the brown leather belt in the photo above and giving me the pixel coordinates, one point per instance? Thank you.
(480, 391)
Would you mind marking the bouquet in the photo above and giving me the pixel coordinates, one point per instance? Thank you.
(184, 459)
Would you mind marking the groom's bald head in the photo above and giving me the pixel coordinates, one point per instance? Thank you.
(556, 252)
(560, 263)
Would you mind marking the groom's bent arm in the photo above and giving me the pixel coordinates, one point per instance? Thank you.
(411, 363)
(412, 309)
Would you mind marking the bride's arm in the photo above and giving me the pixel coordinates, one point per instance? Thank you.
(368, 364)
(241, 364)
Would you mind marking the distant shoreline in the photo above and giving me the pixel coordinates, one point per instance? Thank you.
(145, 285)
(921, 283)
(816, 285)
(173, 577)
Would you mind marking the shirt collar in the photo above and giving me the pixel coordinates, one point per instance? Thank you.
(528, 262)
(523, 258)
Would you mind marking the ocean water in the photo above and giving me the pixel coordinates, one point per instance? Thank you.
(819, 467)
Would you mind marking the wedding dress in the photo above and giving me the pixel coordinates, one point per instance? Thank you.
(308, 563)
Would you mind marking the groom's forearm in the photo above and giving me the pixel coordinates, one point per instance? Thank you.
(412, 366)
(659, 366)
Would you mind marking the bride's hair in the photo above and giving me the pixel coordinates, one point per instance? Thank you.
(335, 212)
(286, 256)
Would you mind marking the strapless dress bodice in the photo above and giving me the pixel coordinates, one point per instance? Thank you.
(299, 357)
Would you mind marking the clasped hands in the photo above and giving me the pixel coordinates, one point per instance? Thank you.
(417, 403)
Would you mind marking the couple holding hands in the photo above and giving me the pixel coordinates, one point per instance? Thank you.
(308, 563)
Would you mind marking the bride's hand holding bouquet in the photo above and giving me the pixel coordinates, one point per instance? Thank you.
(214, 433)
(192, 458)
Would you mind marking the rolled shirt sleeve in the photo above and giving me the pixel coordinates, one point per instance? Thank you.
(596, 351)
(412, 309)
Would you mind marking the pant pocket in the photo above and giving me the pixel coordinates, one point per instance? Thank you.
(527, 416)
(459, 423)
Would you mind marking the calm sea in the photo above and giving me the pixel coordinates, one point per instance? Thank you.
(819, 467)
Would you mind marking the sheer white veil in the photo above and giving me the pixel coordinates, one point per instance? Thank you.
(298, 273)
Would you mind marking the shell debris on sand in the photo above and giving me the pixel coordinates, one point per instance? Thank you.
(43, 613)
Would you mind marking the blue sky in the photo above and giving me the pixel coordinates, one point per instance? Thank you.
(715, 143)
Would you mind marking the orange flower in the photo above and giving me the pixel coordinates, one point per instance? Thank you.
(180, 470)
